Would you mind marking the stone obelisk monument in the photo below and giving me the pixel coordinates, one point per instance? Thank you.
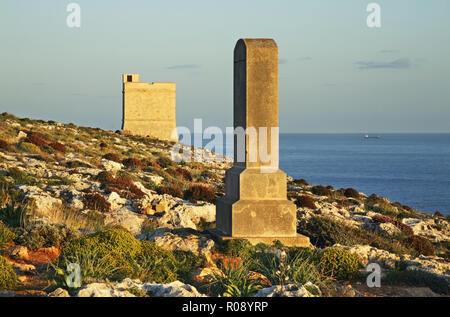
(255, 206)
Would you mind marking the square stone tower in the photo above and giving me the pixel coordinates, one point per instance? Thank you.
(255, 206)
(149, 109)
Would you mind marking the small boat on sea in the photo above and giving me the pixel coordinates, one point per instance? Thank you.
(371, 137)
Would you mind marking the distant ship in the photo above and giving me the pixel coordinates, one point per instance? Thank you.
(371, 137)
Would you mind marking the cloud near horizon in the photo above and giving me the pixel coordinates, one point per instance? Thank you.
(401, 63)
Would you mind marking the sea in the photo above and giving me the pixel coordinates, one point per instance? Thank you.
(413, 169)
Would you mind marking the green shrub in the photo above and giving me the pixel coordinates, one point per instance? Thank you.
(114, 247)
(14, 216)
(8, 278)
(400, 265)
(115, 254)
(339, 263)
(442, 249)
(41, 235)
(155, 264)
(236, 248)
(164, 161)
(29, 147)
(417, 278)
(386, 209)
(6, 235)
(21, 178)
(378, 204)
(187, 263)
(325, 232)
(57, 181)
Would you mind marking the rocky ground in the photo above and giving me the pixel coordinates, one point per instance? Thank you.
(63, 186)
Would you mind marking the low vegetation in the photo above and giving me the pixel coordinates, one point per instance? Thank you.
(114, 254)
(41, 235)
(8, 278)
(416, 278)
(6, 235)
(305, 202)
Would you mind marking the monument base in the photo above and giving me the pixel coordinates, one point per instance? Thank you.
(296, 241)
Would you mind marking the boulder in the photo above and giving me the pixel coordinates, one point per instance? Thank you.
(111, 166)
(103, 290)
(59, 292)
(382, 228)
(181, 239)
(437, 230)
(290, 290)
(126, 218)
(188, 215)
(18, 252)
(43, 202)
(122, 289)
(368, 254)
(115, 200)
(174, 289)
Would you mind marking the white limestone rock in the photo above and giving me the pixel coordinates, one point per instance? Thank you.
(368, 254)
(188, 215)
(180, 239)
(121, 289)
(59, 292)
(43, 202)
(437, 230)
(111, 166)
(290, 290)
(115, 200)
(126, 218)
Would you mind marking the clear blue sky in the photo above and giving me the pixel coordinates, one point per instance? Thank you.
(336, 74)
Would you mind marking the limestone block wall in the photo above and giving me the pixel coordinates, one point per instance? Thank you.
(148, 109)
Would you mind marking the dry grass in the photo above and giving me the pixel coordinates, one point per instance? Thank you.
(69, 217)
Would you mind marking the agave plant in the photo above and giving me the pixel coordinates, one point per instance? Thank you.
(236, 281)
